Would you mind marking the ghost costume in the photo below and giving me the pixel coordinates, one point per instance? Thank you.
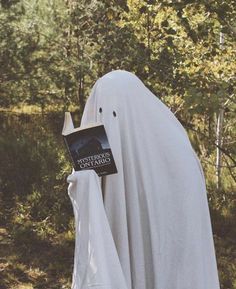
(148, 226)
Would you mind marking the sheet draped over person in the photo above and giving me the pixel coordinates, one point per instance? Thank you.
(155, 207)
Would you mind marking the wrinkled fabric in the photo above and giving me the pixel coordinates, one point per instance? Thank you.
(156, 205)
(96, 263)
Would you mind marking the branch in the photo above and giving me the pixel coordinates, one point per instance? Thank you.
(230, 170)
(221, 18)
(190, 126)
(222, 166)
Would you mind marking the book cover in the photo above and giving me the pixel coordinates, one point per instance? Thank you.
(89, 147)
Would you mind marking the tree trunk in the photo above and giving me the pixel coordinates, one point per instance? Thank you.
(219, 132)
(219, 142)
(81, 92)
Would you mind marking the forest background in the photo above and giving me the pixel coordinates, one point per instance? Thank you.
(51, 54)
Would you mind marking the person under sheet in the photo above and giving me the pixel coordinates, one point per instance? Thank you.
(152, 228)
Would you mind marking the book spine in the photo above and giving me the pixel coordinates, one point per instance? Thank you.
(75, 166)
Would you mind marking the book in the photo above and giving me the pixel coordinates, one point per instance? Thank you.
(88, 147)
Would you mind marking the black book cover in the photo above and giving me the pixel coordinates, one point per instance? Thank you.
(89, 149)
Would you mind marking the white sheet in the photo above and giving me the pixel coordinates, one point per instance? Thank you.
(156, 205)
(96, 263)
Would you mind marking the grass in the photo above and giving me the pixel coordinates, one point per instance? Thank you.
(29, 262)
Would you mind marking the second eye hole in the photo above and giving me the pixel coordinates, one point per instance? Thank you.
(114, 113)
